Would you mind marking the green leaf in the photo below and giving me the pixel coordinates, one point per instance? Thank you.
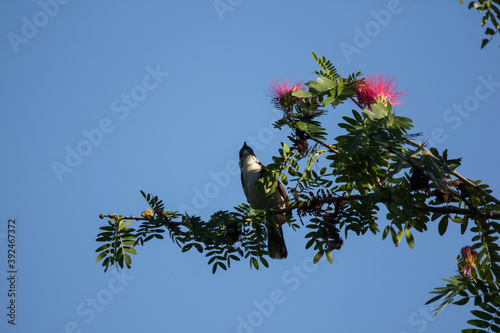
(105, 263)
(463, 227)
(317, 257)
(478, 323)
(124, 224)
(211, 260)
(101, 248)
(484, 42)
(396, 238)
(200, 248)
(263, 261)
(385, 233)
(434, 299)
(482, 315)
(326, 82)
(128, 260)
(329, 257)
(462, 301)
(187, 247)
(301, 93)
(409, 238)
(443, 225)
(356, 115)
(489, 32)
(130, 250)
(254, 262)
(310, 243)
(351, 121)
(100, 256)
(487, 307)
(329, 100)
(315, 86)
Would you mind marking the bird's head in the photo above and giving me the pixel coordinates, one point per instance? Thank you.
(247, 157)
(246, 150)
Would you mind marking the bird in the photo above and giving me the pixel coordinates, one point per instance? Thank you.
(251, 171)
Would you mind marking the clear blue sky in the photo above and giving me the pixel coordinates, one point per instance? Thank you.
(159, 96)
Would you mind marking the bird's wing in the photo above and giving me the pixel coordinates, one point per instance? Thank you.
(245, 190)
(282, 190)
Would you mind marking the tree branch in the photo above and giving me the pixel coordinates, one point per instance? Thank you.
(432, 209)
(140, 218)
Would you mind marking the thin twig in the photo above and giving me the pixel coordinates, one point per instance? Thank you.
(453, 172)
(357, 103)
(415, 165)
(495, 215)
(326, 145)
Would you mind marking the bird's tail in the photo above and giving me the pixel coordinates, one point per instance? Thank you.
(276, 242)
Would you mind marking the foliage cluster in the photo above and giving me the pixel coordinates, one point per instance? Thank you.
(491, 13)
(337, 188)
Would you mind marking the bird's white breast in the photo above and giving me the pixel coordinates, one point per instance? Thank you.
(251, 170)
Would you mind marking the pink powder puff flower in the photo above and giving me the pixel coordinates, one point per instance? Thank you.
(378, 88)
(468, 260)
(278, 89)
